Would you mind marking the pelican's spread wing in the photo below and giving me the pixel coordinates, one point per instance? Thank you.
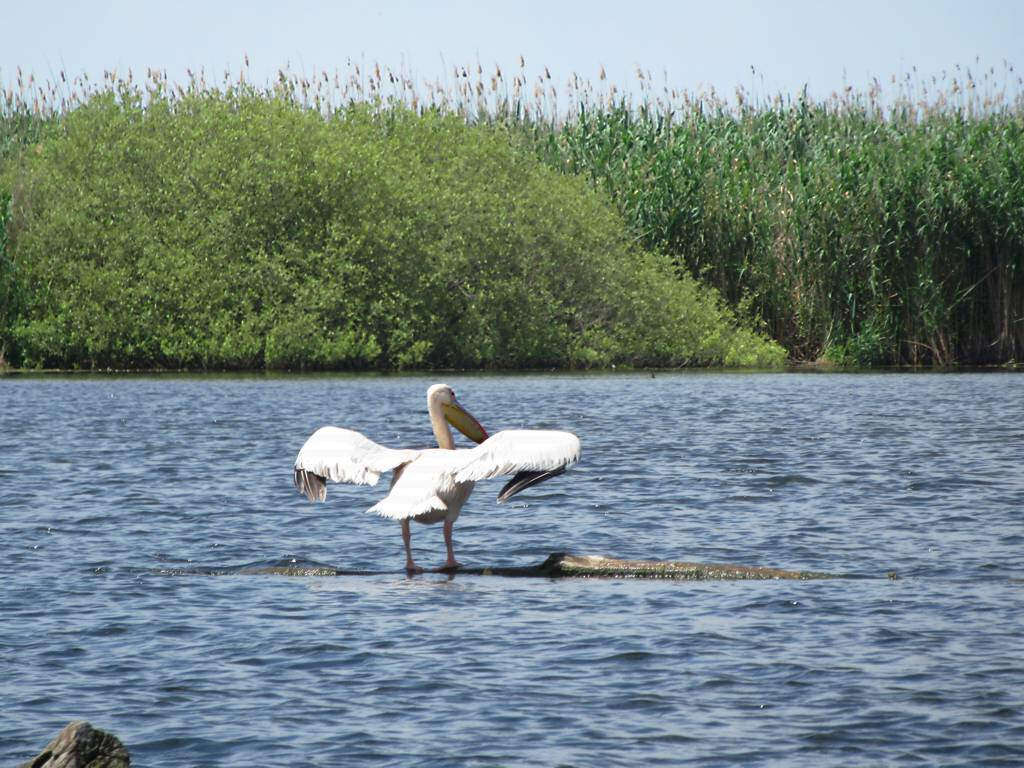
(344, 456)
(532, 455)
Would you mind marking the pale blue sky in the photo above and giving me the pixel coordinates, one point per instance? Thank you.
(823, 44)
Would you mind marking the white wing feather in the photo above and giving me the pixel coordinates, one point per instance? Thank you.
(516, 450)
(345, 456)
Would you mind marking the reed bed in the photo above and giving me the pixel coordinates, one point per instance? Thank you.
(875, 226)
(865, 229)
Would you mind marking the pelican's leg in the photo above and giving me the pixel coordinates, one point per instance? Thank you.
(451, 562)
(410, 566)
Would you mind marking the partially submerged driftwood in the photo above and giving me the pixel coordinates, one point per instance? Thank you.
(556, 566)
(80, 745)
(562, 565)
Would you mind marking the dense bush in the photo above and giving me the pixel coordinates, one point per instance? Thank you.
(236, 228)
(19, 127)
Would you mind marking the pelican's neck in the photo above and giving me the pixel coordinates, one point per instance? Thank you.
(442, 431)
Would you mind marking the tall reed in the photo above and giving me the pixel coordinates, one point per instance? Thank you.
(865, 229)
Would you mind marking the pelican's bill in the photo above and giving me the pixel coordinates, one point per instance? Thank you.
(464, 421)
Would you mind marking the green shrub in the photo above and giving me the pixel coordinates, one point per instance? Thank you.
(8, 281)
(242, 229)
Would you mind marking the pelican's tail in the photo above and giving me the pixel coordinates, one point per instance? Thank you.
(402, 508)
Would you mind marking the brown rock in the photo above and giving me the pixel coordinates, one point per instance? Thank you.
(80, 745)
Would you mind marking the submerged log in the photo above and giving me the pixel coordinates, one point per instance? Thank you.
(564, 565)
(289, 565)
(558, 565)
(80, 745)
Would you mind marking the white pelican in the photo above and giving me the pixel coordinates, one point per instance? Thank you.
(431, 485)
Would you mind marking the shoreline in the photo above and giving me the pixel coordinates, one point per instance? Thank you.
(812, 366)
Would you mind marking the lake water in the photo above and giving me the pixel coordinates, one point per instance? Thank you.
(112, 489)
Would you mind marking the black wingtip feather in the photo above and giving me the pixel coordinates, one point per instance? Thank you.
(310, 484)
(524, 480)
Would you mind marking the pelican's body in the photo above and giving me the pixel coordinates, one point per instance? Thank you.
(432, 485)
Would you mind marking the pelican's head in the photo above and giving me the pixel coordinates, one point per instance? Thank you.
(441, 399)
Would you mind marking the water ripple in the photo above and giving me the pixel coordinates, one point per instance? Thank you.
(139, 513)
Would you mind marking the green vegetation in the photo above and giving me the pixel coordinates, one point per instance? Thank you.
(362, 220)
(865, 235)
(236, 228)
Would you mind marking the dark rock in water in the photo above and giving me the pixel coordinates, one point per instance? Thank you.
(80, 745)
